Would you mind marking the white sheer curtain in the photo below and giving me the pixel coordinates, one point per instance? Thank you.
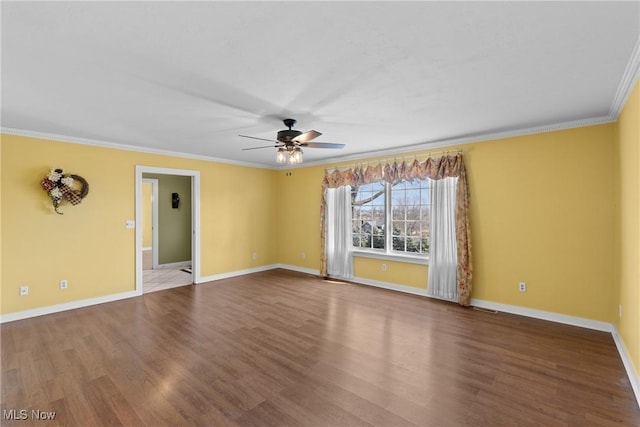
(339, 231)
(442, 282)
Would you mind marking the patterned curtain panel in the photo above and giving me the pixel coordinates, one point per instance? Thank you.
(432, 168)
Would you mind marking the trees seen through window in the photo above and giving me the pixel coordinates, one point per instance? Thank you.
(402, 208)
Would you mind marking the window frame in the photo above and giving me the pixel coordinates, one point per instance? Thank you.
(388, 253)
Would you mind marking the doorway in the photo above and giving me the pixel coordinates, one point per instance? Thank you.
(166, 255)
(166, 228)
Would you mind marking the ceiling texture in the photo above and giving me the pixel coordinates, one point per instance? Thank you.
(380, 77)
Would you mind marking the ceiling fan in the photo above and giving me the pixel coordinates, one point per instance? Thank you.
(289, 141)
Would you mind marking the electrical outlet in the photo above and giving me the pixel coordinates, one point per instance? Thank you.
(522, 287)
(619, 310)
(64, 284)
(303, 255)
(255, 255)
(384, 267)
(24, 290)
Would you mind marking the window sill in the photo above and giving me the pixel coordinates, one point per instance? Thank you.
(413, 259)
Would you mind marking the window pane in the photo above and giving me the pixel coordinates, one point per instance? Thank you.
(414, 245)
(365, 240)
(410, 210)
(398, 228)
(399, 212)
(399, 243)
(413, 212)
(413, 228)
(413, 197)
(368, 202)
(398, 195)
(424, 212)
(425, 244)
(425, 195)
(378, 215)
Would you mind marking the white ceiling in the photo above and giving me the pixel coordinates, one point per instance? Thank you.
(188, 77)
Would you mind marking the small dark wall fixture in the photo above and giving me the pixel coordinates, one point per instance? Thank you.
(175, 200)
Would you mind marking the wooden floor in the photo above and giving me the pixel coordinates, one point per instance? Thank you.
(280, 348)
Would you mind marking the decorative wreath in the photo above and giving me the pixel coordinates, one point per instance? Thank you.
(61, 186)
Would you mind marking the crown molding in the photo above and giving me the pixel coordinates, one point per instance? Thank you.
(424, 146)
(463, 140)
(125, 147)
(626, 84)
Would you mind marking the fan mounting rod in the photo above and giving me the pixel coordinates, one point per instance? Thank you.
(287, 136)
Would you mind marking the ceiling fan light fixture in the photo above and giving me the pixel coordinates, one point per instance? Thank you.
(281, 155)
(295, 156)
(289, 142)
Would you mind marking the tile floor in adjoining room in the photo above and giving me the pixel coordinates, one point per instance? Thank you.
(162, 278)
(165, 278)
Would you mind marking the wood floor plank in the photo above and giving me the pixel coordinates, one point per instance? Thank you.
(280, 348)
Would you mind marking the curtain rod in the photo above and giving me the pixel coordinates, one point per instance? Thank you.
(395, 158)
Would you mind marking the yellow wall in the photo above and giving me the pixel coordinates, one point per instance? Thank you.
(299, 192)
(399, 273)
(39, 247)
(1, 181)
(541, 212)
(627, 250)
(147, 215)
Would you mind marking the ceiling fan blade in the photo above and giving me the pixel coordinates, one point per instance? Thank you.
(307, 136)
(321, 145)
(264, 146)
(261, 139)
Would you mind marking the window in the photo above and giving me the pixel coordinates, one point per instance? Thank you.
(402, 208)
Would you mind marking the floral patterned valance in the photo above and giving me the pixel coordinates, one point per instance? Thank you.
(438, 168)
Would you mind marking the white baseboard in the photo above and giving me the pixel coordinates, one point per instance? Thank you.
(41, 311)
(628, 364)
(391, 286)
(298, 269)
(544, 315)
(236, 273)
(65, 306)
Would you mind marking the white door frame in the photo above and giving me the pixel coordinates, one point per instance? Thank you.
(195, 219)
(154, 219)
